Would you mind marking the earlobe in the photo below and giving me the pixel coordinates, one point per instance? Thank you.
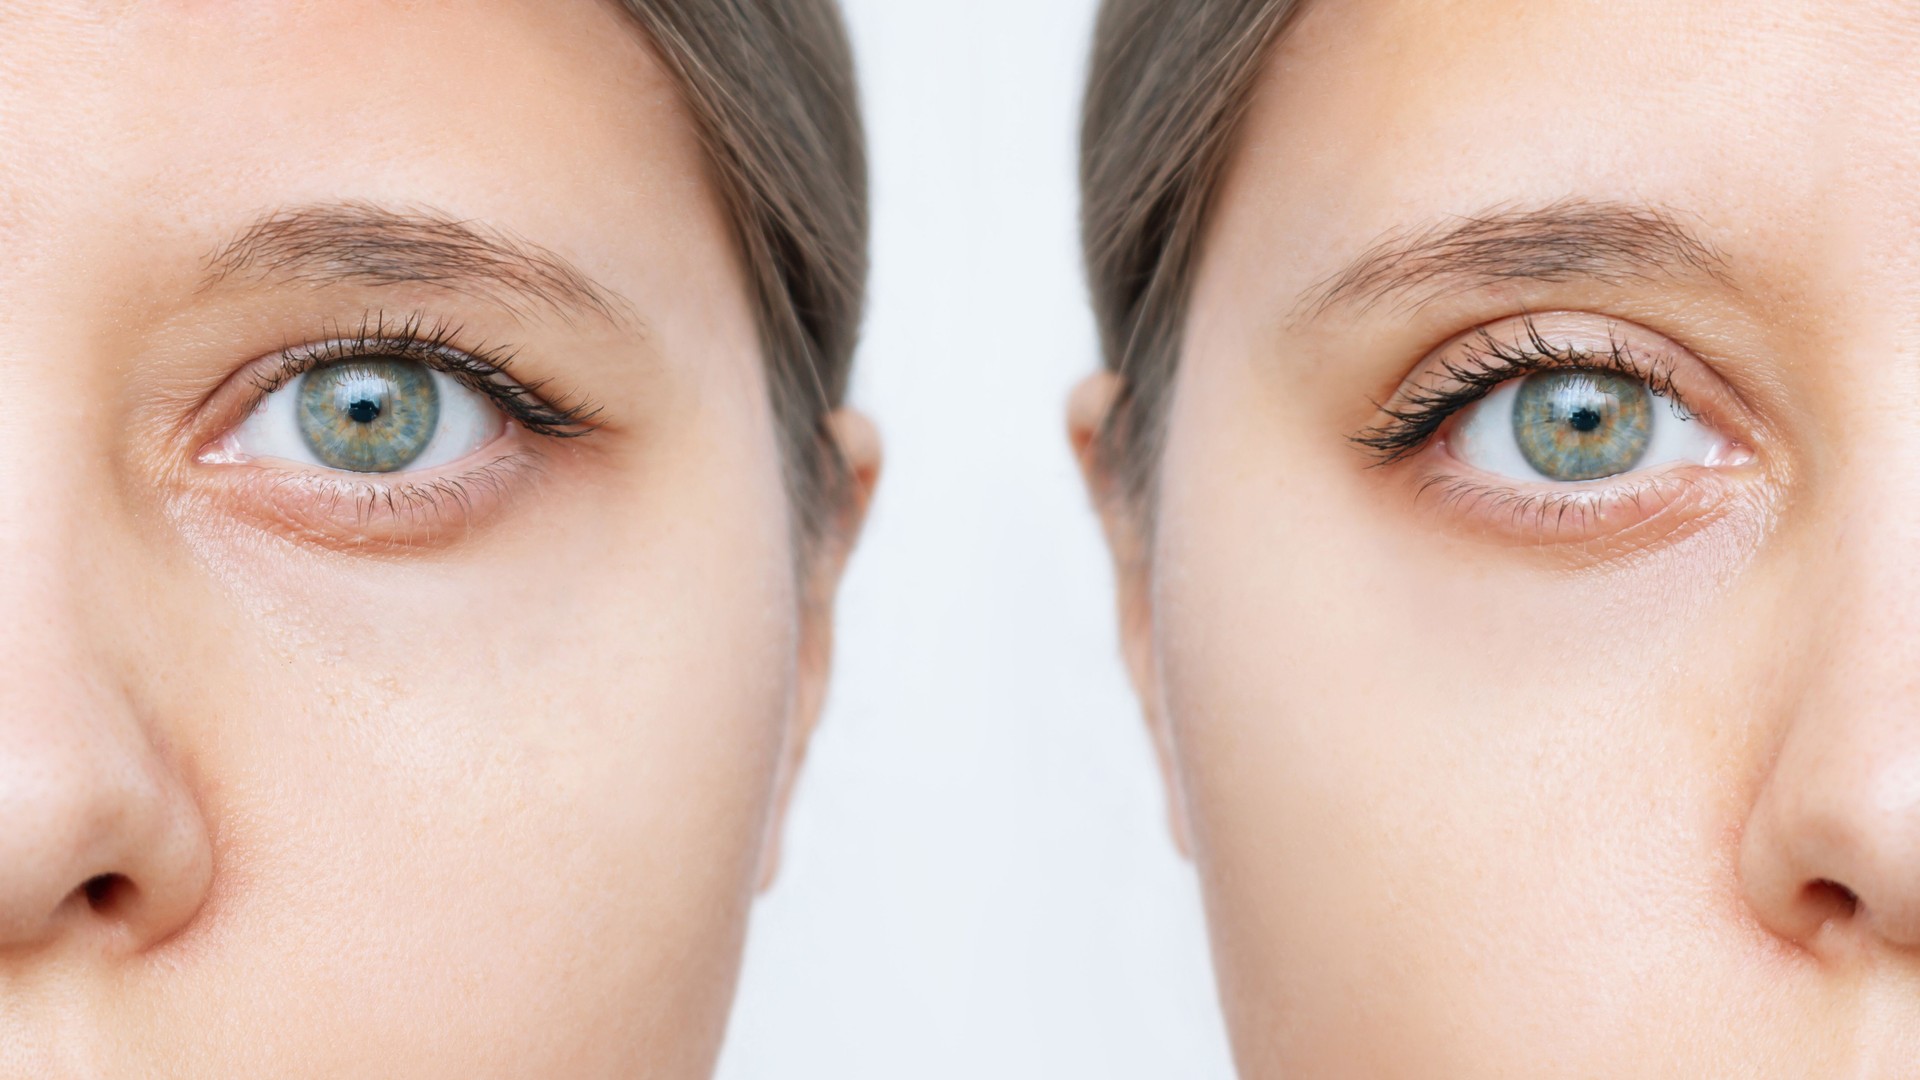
(857, 442)
(1089, 410)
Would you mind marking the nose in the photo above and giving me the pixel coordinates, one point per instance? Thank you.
(104, 850)
(103, 845)
(1830, 854)
(98, 836)
(101, 839)
(1833, 846)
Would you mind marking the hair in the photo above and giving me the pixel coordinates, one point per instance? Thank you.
(1168, 86)
(771, 87)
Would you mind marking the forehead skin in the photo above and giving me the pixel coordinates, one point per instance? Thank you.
(1445, 789)
(491, 810)
(197, 106)
(1788, 125)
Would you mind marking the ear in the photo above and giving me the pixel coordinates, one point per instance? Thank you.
(1089, 410)
(858, 444)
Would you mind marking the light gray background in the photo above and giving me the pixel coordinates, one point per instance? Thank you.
(979, 880)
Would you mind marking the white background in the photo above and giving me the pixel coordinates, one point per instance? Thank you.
(979, 881)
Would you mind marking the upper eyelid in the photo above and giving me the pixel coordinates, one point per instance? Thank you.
(480, 368)
(1415, 411)
(414, 337)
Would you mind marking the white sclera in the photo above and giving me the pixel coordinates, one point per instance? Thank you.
(468, 421)
(1483, 437)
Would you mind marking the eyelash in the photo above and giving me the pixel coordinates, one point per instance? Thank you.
(399, 511)
(482, 369)
(1421, 411)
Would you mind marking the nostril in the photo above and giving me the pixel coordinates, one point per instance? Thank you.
(108, 893)
(1831, 900)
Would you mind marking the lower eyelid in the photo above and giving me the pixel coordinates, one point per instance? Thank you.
(371, 512)
(1633, 510)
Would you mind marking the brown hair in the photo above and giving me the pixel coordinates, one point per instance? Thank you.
(1168, 86)
(771, 86)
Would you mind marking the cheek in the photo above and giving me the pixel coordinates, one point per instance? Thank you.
(1430, 765)
(519, 787)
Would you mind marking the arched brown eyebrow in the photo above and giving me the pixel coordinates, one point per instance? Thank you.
(361, 244)
(1608, 242)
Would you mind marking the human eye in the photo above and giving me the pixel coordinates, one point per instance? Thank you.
(388, 429)
(1564, 427)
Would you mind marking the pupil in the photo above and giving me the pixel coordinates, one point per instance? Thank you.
(1583, 419)
(364, 411)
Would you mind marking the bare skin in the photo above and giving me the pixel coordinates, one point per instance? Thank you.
(469, 770)
(1490, 776)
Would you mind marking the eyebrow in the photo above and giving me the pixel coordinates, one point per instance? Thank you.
(362, 244)
(1573, 239)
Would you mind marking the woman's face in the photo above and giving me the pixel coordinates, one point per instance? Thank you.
(1583, 739)
(404, 718)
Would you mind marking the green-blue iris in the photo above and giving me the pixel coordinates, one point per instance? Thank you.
(1583, 425)
(368, 415)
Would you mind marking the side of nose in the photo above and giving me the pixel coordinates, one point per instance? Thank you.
(1830, 855)
(1833, 845)
(98, 836)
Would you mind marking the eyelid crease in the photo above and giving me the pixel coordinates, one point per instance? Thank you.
(1417, 412)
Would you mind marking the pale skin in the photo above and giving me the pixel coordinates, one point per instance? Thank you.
(301, 779)
(1475, 787)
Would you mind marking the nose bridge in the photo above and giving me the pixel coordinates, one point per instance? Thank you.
(57, 525)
